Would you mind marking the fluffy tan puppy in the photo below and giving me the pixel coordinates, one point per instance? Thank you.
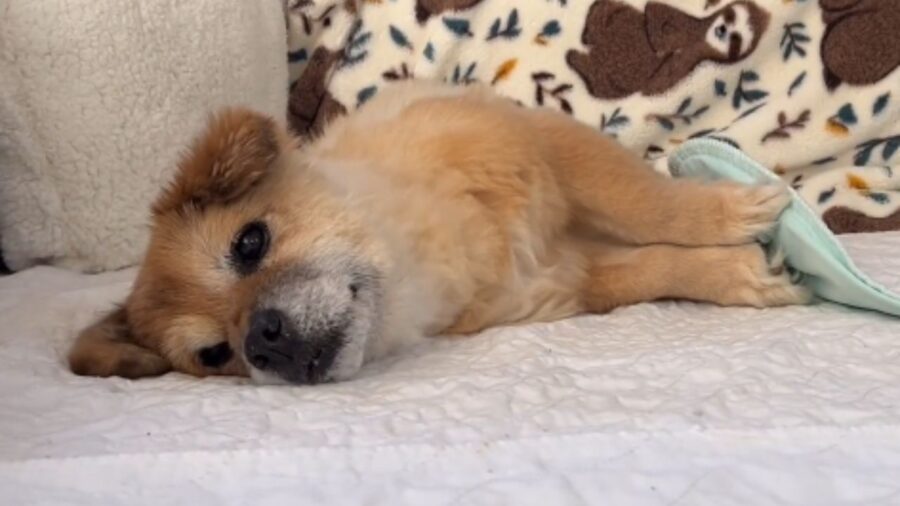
(432, 210)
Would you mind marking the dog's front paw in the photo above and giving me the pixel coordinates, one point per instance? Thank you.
(750, 211)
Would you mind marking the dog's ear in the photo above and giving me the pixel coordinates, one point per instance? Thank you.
(107, 348)
(233, 154)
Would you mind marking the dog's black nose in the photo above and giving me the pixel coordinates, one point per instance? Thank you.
(268, 324)
(273, 345)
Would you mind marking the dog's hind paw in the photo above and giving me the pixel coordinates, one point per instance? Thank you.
(765, 280)
(750, 211)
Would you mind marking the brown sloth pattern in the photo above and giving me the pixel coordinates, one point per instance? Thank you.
(861, 44)
(810, 88)
(649, 52)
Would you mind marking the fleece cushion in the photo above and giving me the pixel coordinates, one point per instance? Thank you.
(811, 89)
(97, 97)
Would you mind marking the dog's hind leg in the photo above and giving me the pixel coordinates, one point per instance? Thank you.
(724, 275)
(614, 192)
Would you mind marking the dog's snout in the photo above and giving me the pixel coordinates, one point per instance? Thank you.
(273, 345)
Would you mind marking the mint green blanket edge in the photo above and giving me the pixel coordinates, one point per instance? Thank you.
(809, 247)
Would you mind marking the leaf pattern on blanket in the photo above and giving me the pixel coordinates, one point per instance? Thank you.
(463, 75)
(776, 86)
(888, 147)
(794, 40)
(550, 29)
(614, 123)
(510, 30)
(745, 91)
(460, 27)
(546, 89)
(400, 38)
(504, 70)
(398, 74)
(880, 104)
(682, 115)
(356, 50)
(785, 126)
(840, 123)
(796, 83)
(365, 94)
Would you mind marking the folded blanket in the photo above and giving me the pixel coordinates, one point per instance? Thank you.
(813, 254)
(810, 89)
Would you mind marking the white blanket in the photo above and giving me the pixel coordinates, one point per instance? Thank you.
(666, 403)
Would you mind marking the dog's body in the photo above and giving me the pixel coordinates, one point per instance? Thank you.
(432, 210)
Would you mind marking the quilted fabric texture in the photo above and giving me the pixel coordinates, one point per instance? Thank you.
(666, 403)
(97, 97)
(808, 88)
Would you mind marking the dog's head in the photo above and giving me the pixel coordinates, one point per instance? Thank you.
(253, 268)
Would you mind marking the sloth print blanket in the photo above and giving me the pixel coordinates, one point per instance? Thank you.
(810, 88)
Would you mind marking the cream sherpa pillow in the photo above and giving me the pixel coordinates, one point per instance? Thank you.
(97, 98)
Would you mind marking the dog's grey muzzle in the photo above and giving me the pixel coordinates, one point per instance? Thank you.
(312, 320)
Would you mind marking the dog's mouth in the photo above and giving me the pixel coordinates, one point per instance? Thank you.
(312, 327)
(297, 369)
(314, 372)
(277, 345)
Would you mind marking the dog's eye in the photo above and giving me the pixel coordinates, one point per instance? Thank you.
(215, 356)
(249, 247)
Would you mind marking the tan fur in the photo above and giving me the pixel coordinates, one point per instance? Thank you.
(476, 212)
(103, 349)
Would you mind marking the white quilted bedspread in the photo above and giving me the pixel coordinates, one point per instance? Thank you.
(667, 403)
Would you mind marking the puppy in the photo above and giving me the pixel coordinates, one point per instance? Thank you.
(432, 210)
